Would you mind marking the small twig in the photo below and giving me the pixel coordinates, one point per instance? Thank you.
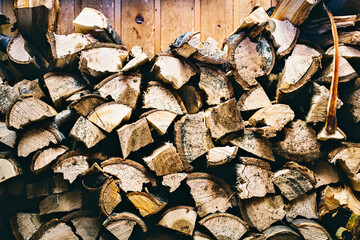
(331, 122)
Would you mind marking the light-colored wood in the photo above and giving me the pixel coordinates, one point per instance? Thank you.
(9, 168)
(27, 109)
(164, 160)
(136, 62)
(63, 202)
(261, 213)
(192, 137)
(7, 96)
(225, 226)
(173, 180)
(109, 196)
(123, 88)
(86, 132)
(85, 104)
(179, 218)
(160, 120)
(254, 99)
(224, 119)
(141, 33)
(221, 155)
(134, 136)
(146, 203)
(192, 98)
(54, 229)
(325, 173)
(157, 23)
(133, 175)
(211, 194)
(309, 229)
(109, 116)
(33, 86)
(71, 164)
(299, 144)
(174, 23)
(281, 232)
(216, 19)
(304, 206)
(121, 225)
(7, 137)
(24, 225)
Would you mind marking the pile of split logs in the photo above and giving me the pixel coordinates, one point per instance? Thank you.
(100, 142)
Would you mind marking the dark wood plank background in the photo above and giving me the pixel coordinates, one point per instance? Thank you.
(163, 21)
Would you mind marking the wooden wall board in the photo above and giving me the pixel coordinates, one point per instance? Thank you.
(177, 17)
(67, 12)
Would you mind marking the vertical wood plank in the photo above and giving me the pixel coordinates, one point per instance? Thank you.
(141, 33)
(177, 17)
(157, 26)
(197, 19)
(237, 18)
(216, 19)
(117, 16)
(7, 8)
(66, 16)
(247, 5)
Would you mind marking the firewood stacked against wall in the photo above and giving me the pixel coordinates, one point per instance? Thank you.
(100, 142)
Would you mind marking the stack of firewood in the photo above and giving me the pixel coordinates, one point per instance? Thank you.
(200, 142)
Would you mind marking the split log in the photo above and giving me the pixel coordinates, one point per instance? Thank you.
(134, 136)
(254, 181)
(54, 229)
(318, 105)
(146, 203)
(17, 53)
(51, 185)
(71, 164)
(281, 233)
(208, 52)
(160, 120)
(157, 96)
(123, 88)
(192, 98)
(7, 137)
(110, 196)
(86, 223)
(271, 119)
(27, 109)
(310, 229)
(64, 202)
(225, 226)
(43, 158)
(221, 155)
(325, 173)
(210, 193)
(352, 103)
(223, 119)
(109, 116)
(121, 225)
(334, 198)
(94, 22)
(65, 48)
(165, 160)
(294, 180)
(300, 143)
(24, 225)
(62, 86)
(9, 167)
(192, 137)
(294, 11)
(346, 72)
(135, 63)
(173, 70)
(132, 174)
(85, 104)
(283, 34)
(255, 144)
(299, 67)
(173, 180)
(93, 179)
(304, 206)
(7, 96)
(37, 138)
(102, 59)
(186, 44)
(33, 86)
(250, 60)
(254, 99)
(261, 213)
(254, 23)
(86, 132)
(201, 236)
(179, 218)
(215, 84)
(77, 95)
(34, 20)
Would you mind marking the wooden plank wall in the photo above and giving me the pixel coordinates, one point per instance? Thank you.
(154, 24)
